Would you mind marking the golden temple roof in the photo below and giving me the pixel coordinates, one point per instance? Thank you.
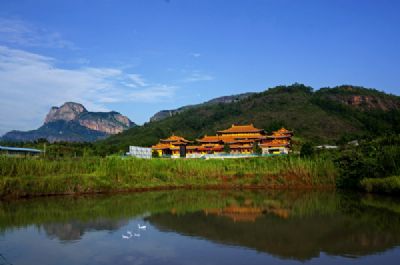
(275, 143)
(283, 131)
(174, 138)
(230, 138)
(160, 146)
(242, 129)
(210, 139)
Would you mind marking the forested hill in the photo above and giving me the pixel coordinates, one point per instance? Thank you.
(327, 115)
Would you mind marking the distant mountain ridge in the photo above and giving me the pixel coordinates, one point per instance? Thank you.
(224, 99)
(72, 122)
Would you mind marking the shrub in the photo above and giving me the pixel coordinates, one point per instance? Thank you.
(379, 158)
(307, 150)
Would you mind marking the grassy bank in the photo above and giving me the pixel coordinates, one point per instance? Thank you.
(390, 185)
(38, 176)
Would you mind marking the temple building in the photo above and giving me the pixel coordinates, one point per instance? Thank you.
(239, 138)
(278, 143)
(170, 146)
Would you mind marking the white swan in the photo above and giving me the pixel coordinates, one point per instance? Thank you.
(125, 237)
(129, 233)
(136, 235)
(143, 227)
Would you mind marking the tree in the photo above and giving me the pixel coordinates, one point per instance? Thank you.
(257, 149)
(155, 154)
(227, 149)
(307, 150)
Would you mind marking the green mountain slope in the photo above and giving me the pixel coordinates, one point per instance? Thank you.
(325, 116)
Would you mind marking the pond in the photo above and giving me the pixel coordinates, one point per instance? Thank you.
(202, 227)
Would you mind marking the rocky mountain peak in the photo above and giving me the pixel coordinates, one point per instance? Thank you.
(68, 111)
(71, 122)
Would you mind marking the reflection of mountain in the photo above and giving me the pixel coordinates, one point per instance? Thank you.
(74, 230)
(292, 237)
(288, 224)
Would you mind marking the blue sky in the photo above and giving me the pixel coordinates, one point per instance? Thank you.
(138, 57)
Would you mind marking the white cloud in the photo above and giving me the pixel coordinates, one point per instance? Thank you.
(195, 55)
(137, 80)
(19, 32)
(31, 83)
(151, 93)
(197, 76)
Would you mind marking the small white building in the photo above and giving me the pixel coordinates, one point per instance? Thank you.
(326, 146)
(139, 152)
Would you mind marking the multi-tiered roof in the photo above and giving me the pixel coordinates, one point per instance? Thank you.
(176, 140)
(279, 138)
(282, 133)
(241, 129)
(171, 142)
(238, 137)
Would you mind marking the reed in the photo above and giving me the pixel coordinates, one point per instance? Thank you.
(37, 176)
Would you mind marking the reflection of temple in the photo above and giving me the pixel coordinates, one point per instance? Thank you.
(296, 236)
(247, 213)
(237, 213)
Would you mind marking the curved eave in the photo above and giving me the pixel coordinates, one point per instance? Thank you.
(278, 136)
(239, 131)
(274, 145)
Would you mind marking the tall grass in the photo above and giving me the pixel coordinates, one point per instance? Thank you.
(30, 176)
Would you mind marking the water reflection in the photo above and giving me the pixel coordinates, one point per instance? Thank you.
(74, 230)
(289, 225)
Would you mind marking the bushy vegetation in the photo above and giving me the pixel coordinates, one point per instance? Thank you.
(307, 150)
(370, 163)
(35, 176)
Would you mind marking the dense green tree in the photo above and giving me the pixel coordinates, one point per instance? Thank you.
(307, 150)
(378, 158)
(227, 149)
(257, 149)
(154, 154)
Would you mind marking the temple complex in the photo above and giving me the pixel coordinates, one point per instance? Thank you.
(238, 139)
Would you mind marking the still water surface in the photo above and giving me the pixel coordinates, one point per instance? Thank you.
(202, 227)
